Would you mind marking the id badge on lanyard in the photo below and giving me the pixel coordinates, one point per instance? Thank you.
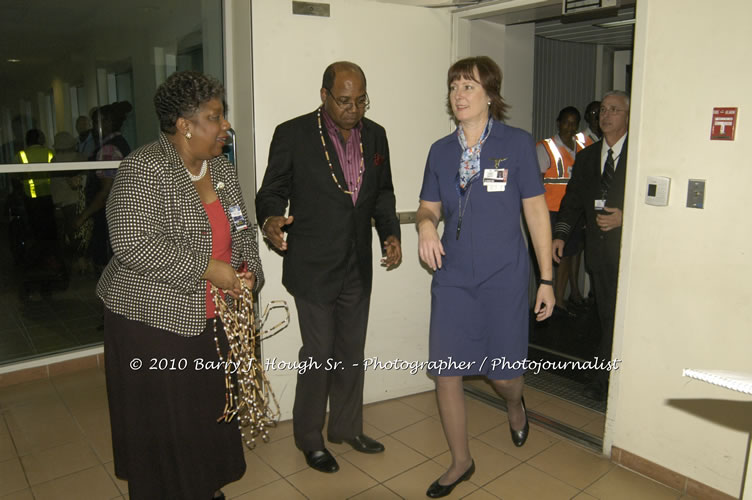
(495, 179)
(238, 220)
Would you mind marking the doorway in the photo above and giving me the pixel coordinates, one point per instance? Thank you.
(549, 63)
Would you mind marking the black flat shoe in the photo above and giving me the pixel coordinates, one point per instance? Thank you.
(437, 490)
(321, 460)
(362, 443)
(519, 437)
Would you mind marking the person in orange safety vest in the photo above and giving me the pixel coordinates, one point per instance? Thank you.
(556, 158)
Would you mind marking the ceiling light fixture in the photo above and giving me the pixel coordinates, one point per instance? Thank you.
(12, 60)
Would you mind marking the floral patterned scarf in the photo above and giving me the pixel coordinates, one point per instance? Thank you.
(470, 161)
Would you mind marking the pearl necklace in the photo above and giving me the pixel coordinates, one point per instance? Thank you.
(331, 168)
(201, 174)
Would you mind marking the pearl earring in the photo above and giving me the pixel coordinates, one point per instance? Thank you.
(489, 103)
(188, 135)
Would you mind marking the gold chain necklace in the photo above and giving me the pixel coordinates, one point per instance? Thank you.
(248, 393)
(331, 168)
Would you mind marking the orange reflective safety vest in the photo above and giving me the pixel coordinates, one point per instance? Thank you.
(560, 170)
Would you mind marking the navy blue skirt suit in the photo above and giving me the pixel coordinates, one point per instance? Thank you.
(479, 297)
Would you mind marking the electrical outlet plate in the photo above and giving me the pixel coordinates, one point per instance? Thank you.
(696, 193)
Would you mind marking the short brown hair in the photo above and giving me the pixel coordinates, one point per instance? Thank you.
(490, 78)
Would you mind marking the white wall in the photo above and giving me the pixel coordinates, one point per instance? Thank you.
(622, 58)
(486, 39)
(404, 52)
(513, 49)
(518, 68)
(684, 291)
(604, 71)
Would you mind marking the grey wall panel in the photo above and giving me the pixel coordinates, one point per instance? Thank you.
(564, 76)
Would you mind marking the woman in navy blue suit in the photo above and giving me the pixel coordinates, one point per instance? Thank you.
(481, 177)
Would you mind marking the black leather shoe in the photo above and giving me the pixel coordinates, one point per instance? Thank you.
(519, 437)
(362, 443)
(321, 460)
(437, 490)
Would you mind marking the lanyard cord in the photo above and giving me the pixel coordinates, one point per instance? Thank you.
(462, 210)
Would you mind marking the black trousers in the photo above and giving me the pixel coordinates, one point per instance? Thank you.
(605, 282)
(334, 337)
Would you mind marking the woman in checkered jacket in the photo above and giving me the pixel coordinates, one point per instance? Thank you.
(178, 224)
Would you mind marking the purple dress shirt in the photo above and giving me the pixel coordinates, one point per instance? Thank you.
(348, 152)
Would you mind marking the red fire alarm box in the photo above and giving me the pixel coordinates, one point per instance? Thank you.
(724, 124)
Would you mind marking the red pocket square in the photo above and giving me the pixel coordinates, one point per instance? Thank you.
(378, 159)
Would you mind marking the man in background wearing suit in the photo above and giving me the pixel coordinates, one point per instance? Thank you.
(332, 165)
(597, 190)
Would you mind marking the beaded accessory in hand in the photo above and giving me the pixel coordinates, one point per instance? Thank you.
(331, 168)
(248, 393)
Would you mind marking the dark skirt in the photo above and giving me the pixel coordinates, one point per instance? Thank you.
(481, 328)
(166, 440)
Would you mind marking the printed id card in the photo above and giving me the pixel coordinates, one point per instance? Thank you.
(495, 179)
(238, 220)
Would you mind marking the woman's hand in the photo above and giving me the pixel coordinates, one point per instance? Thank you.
(430, 248)
(249, 279)
(544, 302)
(223, 276)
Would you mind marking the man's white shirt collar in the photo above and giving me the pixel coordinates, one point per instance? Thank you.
(616, 148)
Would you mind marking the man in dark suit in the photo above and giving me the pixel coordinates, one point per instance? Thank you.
(597, 190)
(332, 166)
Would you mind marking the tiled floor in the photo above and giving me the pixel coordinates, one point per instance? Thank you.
(554, 408)
(55, 444)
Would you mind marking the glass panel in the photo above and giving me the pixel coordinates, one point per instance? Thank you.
(80, 89)
(51, 259)
(104, 61)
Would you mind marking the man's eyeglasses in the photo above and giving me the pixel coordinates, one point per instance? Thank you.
(362, 102)
(611, 109)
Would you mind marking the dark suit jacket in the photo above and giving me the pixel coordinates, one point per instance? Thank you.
(327, 227)
(601, 247)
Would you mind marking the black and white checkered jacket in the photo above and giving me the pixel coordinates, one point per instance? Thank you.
(161, 239)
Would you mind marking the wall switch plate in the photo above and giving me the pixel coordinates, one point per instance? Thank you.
(696, 193)
(657, 191)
